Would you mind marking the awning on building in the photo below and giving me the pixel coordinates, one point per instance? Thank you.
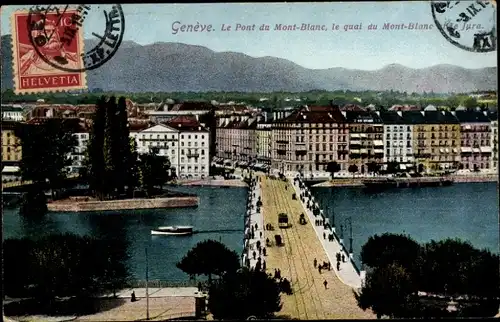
(402, 167)
(378, 142)
(455, 150)
(10, 169)
(379, 150)
(354, 135)
(364, 151)
(355, 142)
(466, 149)
(441, 150)
(486, 149)
(354, 151)
(467, 127)
(476, 150)
(447, 150)
(363, 135)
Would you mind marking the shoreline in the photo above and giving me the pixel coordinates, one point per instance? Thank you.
(232, 183)
(73, 205)
(357, 182)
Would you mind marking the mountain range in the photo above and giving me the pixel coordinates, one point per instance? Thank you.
(178, 67)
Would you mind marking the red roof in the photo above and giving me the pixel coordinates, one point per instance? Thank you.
(185, 123)
(192, 106)
(315, 114)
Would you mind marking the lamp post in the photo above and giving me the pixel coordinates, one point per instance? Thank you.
(349, 221)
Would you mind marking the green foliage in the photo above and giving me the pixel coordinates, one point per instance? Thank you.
(381, 251)
(450, 267)
(33, 203)
(389, 290)
(209, 258)
(353, 169)
(46, 149)
(469, 102)
(244, 293)
(154, 171)
(392, 167)
(111, 158)
(63, 265)
(373, 167)
(333, 167)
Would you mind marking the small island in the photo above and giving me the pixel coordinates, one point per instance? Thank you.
(113, 176)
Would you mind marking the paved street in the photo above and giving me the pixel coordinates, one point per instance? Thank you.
(310, 299)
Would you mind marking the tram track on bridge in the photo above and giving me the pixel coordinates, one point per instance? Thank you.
(307, 287)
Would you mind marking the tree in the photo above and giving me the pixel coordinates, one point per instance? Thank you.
(469, 102)
(353, 169)
(46, 148)
(85, 263)
(94, 160)
(33, 203)
(373, 167)
(421, 168)
(392, 167)
(154, 170)
(333, 167)
(244, 293)
(111, 146)
(209, 258)
(389, 290)
(381, 251)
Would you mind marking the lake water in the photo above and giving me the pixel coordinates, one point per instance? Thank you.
(468, 211)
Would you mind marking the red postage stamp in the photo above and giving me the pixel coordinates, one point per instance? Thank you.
(33, 70)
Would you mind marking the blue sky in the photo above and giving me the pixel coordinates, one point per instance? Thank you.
(363, 49)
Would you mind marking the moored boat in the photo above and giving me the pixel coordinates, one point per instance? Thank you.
(173, 230)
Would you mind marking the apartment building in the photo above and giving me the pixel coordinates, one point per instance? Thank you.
(182, 139)
(264, 137)
(11, 149)
(475, 139)
(82, 135)
(493, 117)
(398, 138)
(12, 113)
(237, 138)
(365, 138)
(441, 137)
(309, 138)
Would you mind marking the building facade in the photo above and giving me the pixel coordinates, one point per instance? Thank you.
(475, 139)
(183, 140)
(12, 113)
(308, 139)
(264, 138)
(493, 117)
(82, 136)
(366, 143)
(398, 139)
(11, 148)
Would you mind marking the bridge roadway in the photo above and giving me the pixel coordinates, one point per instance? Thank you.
(310, 299)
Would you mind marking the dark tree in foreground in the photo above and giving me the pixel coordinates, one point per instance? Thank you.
(34, 202)
(390, 291)
(243, 294)
(392, 167)
(209, 258)
(333, 167)
(63, 266)
(381, 251)
(46, 148)
(373, 167)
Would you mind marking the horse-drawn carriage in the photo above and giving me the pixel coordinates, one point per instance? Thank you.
(302, 219)
(283, 220)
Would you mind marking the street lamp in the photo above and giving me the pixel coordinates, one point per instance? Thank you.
(349, 221)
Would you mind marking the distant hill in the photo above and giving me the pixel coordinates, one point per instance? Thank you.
(177, 67)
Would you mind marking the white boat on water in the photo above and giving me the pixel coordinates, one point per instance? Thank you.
(173, 230)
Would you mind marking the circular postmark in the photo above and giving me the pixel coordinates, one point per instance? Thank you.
(469, 25)
(54, 32)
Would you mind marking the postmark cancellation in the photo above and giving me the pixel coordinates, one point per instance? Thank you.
(49, 32)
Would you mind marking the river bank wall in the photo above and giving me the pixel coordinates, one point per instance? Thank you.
(78, 205)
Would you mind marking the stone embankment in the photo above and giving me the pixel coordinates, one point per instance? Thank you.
(82, 204)
(216, 183)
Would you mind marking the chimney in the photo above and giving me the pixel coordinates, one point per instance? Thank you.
(400, 113)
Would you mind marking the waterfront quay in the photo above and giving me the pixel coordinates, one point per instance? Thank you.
(301, 246)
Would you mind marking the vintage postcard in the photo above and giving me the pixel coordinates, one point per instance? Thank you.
(222, 161)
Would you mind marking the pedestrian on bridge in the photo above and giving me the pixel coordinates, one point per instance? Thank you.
(326, 284)
(338, 266)
(264, 251)
(254, 254)
(315, 263)
(324, 235)
(343, 258)
(319, 269)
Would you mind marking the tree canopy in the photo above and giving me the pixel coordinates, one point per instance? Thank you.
(63, 265)
(399, 267)
(333, 167)
(244, 293)
(209, 258)
(154, 170)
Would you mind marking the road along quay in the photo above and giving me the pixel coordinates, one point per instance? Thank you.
(253, 242)
(311, 298)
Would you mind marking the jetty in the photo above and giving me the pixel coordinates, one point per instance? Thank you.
(378, 183)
